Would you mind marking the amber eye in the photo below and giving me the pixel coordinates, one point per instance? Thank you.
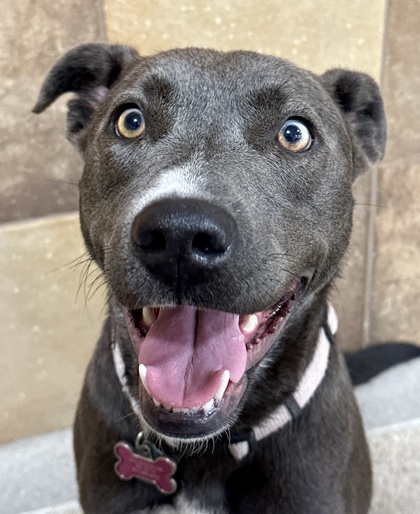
(130, 123)
(294, 136)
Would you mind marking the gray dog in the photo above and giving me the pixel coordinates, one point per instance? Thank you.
(217, 200)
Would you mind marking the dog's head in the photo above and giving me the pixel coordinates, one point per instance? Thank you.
(217, 199)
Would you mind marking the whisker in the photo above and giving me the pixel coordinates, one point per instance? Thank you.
(56, 180)
(127, 416)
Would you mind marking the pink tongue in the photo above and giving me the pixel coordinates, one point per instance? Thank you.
(186, 351)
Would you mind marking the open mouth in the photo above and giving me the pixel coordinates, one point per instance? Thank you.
(193, 362)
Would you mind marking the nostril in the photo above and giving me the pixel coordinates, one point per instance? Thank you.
(208, 244)
(151, 241)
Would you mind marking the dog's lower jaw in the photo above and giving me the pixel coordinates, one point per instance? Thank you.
(182, 430)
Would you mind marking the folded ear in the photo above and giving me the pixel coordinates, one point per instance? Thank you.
(89, 71)
(359, 99)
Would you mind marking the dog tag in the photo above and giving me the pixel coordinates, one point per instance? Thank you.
(145, 463)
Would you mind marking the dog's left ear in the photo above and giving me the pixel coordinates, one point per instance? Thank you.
(89, 71)
(359, 99)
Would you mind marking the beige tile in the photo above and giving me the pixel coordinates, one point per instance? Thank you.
(36, 162)
(348, 292)
(48, 330)
(396, 278)
(317, 35)
(401, 79)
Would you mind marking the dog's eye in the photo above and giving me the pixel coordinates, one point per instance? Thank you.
(130, 123)
(295, 136)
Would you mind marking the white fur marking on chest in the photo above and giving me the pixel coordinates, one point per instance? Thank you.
(182, 506)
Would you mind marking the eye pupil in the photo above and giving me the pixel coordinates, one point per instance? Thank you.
(292, 133)
(133, 121)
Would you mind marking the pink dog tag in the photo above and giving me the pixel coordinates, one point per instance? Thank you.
(156, 471)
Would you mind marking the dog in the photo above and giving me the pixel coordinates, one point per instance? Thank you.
(216, 199)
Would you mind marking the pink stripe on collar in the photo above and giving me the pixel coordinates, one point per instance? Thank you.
(306, 388)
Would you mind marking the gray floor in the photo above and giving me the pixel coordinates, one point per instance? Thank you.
(390, 406)
(396, 463)
(37, 474)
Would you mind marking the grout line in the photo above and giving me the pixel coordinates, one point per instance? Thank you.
(384, 43)
(370, 257)
(374, 193)
(103, 28)
(38, 220)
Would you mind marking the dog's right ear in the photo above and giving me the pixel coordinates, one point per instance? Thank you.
(89, 71)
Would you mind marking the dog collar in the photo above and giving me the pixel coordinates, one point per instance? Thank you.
(241, 443)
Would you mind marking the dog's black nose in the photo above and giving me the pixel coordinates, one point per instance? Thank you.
(183, 236)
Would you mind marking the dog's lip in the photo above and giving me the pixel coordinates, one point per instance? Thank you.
(194, 425)
(184, 423)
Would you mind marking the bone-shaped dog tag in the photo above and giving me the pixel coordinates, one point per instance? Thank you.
(140, 463)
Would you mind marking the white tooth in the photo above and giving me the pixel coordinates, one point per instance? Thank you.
(148, 316)
(184, 410)
(158, 404)
(224, 381)
(249, 323)
(208, 406)
(143, 373)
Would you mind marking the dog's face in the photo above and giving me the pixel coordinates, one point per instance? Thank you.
(216, 197)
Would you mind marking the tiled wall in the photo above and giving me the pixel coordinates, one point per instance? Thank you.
(47, 336)
(47, 333)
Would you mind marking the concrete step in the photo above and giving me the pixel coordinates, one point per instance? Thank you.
(67, 508)
(391, 397)
(37, 475)
(395, 451)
